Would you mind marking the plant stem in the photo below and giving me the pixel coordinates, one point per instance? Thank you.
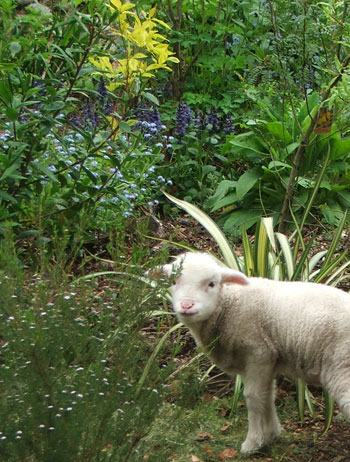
(304, 143)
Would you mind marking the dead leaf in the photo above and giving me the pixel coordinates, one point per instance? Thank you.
(208, 450)
(225, 427)
(227, 454)
(203, 436)
(195, 459)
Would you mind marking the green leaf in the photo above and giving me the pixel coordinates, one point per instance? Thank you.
(329, 411)
(14, 48)
(52, 107)
(153, 99)
(125, 127)
(225, 202)
(12, 114)
(240, 218)
(45, 170)
(210, 226)
(301, 399)
(8, 172)
(237, 393)
(5, 92)
(7, 197)
(288, 254)
(278, 130)
(261, 250)
(247, 181)
(340, 148)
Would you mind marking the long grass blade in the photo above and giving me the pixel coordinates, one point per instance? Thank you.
(287, 253)
(237, 393)
(335, 241)
(268, 225)
(248, 254)
(329, 411)
(309, 402)
(154, 354)
(325, 271)
(300, 384)
(261, 250)
(302, 260)
(212, 228)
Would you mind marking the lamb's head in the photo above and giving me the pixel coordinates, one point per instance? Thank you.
(197, 285)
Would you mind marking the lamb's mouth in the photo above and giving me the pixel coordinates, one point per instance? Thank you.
(188, 313)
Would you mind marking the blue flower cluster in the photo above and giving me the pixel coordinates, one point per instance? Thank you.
(215, 122)
(183, 119)
(89, 114)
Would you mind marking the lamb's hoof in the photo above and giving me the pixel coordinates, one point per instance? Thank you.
(249, 446)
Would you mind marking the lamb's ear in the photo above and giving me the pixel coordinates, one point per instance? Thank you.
(229, 275)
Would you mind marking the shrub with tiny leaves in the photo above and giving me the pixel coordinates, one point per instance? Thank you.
(71, 358)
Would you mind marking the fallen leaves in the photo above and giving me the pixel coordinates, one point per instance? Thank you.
(227, 454)
(225, 427)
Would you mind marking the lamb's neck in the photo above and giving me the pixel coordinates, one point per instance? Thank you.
(206, 332)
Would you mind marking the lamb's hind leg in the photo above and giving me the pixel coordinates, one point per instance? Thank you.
(339, 387)
(263, 424)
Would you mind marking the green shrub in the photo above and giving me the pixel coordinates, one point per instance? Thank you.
(71, 359)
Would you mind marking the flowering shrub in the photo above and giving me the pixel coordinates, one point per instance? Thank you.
(71, 359)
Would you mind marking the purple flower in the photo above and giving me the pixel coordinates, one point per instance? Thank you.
(227, 125)
(213, 119)
(183, 118)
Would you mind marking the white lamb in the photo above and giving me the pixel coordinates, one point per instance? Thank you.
(259, 328)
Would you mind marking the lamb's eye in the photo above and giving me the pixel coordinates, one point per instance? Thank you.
(211, 284)
(174, 282)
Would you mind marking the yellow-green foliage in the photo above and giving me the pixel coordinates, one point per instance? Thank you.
(145, 49)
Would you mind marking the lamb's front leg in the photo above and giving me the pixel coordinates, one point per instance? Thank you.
(263, 424)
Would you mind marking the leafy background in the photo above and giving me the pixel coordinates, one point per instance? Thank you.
(237, 110)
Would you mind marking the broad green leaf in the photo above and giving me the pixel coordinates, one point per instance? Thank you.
(221, 190)
(225, 202)
(238, 218)
(12, 114)
(345, 197)
(292, 147)
(52, 107)
(153, 99)
(210, 226)
(247, 181)
(125, 127)
(340, 148)
(279, 131)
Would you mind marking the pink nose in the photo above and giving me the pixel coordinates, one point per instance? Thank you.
(187, 304)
